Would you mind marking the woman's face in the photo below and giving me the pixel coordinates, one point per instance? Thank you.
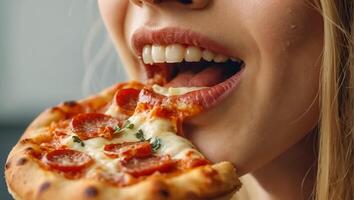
(275, 103)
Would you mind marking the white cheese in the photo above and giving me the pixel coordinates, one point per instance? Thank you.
(94, 148)
(174, 91)
(115, 112)
(171, 144)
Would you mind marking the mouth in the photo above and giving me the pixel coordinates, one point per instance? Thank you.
(188, 65)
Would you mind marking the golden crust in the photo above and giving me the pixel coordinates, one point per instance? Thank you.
(26, 180)
(94, 103)
(30, 182)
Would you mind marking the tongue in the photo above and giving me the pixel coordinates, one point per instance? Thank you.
(208, 77)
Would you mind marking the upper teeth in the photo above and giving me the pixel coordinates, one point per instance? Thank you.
(176, 53)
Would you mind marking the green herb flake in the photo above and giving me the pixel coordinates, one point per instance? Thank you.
(129, 126)
(117, 130)
(78, 140)
(155, 143)
(140, 135)
(126, 123)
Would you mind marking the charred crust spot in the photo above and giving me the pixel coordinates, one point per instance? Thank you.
(26, 141)
(160, 188)
(7, 165)
(91, 191)
(70, 103)
(29, 149)
(44, 186)
(164, 193)
(31, 152)
(22, 161)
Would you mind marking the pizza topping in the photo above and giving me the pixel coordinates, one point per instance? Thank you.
(128, 150)
(67, 160)
(174, 91)
(151, 99)
(140, 135)
(78, 140)
(127, 125)
(194, 162)
(175, 106)
(127, 100)
(149, 143)
(147, 166)
(155, 143)
(91, 125)
(34, 153)
(117, 130)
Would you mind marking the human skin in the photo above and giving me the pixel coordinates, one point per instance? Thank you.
(261, 126)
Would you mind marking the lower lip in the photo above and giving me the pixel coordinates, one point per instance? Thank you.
(209, 97)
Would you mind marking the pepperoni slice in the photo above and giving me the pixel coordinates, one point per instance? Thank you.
(128, 150)
(67, 160)
(91, 125)
(146, 166)
(127, 100)
(194, 162)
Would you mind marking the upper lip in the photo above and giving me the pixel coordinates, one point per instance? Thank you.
(171, 35)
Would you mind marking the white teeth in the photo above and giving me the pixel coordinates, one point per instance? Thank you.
(147, 57)
(208, 55)
(193, 54)
(235, 60)
(174, 53)
(220, 58)
(158, 53)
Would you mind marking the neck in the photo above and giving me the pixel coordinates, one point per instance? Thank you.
(288, 177)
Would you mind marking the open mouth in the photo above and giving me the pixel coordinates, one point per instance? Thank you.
(179, 66)
(196, 74)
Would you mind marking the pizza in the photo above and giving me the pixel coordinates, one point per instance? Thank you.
(123, 143)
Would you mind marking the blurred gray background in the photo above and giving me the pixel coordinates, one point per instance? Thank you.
(50, 51)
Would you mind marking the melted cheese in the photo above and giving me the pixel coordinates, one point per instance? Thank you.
(115, 112)
(94, 148)
(174, 91)
(171, 144)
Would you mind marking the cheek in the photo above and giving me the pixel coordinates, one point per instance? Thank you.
(290, 44)
(115, 15)
(284, 28)
(284, 73)
(275, 105)
(288, 38)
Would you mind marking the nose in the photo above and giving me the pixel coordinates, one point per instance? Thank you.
(194, 4)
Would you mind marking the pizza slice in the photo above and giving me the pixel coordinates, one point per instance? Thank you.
(124, 143)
